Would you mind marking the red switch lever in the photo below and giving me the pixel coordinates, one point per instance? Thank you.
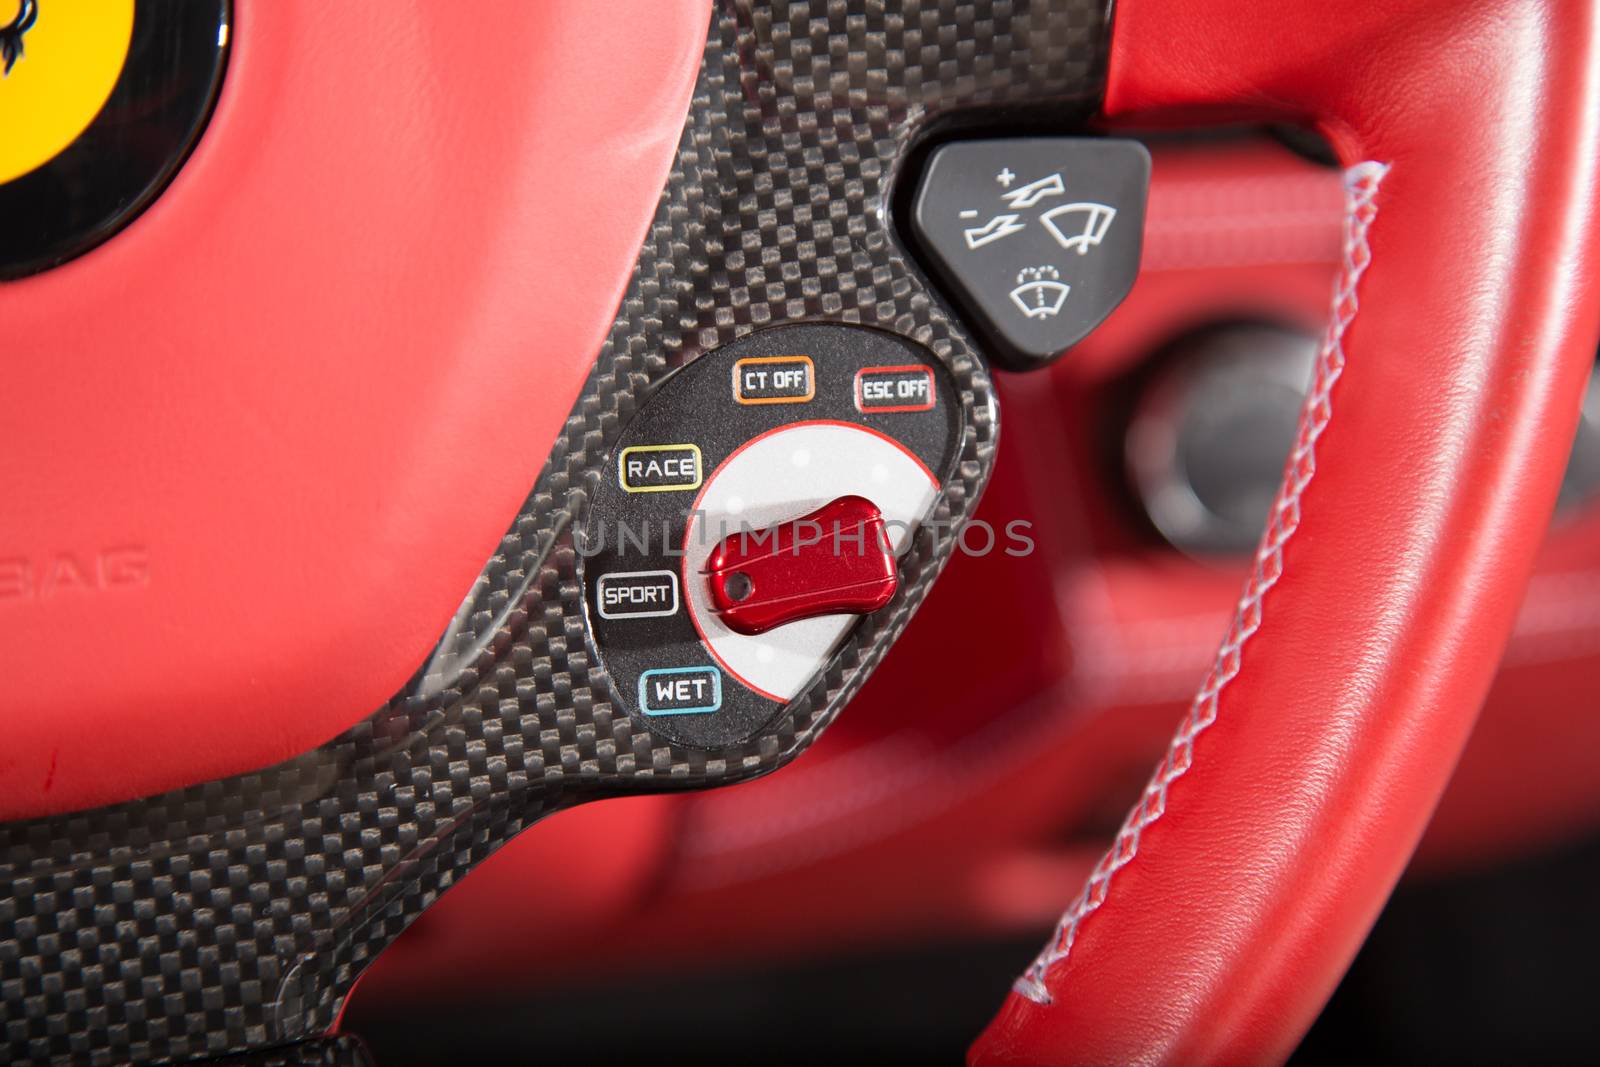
(833, 561)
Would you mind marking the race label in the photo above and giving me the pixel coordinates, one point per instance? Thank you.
(659, 468)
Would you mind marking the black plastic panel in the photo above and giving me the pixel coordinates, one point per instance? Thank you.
(237, 914)
(1038, 237)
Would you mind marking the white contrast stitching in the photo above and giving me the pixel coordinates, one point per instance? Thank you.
(1361, 187)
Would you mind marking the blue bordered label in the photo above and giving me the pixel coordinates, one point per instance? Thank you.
(680, 691)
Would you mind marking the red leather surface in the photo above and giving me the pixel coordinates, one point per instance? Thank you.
(1295, 811)
(244, 483)
(952, 802)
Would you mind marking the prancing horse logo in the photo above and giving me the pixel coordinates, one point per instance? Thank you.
(11, 35)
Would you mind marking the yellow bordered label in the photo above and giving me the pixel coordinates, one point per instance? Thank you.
(64, 61)
(774, 380)
(660, 468)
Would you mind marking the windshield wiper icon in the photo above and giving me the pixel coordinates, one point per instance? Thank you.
(1079, 226)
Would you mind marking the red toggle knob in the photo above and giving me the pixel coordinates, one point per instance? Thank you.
(834, 561)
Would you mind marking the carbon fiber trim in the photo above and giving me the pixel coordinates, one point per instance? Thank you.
(237, 914)
(324, 1052)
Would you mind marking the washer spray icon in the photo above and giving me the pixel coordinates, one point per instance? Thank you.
(1040, 293)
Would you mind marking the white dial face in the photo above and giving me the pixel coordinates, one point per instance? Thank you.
(778, 477)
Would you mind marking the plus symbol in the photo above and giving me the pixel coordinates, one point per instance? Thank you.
(1005, 177)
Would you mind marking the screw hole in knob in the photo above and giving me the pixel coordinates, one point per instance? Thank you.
(738, 586)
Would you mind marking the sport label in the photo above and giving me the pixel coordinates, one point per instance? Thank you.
(637, 595)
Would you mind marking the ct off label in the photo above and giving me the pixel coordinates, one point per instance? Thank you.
(774, 380)
(659, 468)
(680, 691)
(880, 389)
(638, 595)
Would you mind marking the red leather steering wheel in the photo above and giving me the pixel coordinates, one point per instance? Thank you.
(229, 875)
(1430, 450)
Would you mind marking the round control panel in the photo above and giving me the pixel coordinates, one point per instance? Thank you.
(752, 512)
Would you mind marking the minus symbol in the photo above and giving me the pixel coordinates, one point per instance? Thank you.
(969, 214)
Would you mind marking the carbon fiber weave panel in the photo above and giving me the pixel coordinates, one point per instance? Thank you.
(320, 1052)
(237, 914)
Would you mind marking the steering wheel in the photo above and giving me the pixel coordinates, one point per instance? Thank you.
(373, 296)
(1293, 793)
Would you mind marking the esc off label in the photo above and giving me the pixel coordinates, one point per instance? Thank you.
(680, 691)
(637, 595)
(659, 468)
(884, 389)
(774, 380)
